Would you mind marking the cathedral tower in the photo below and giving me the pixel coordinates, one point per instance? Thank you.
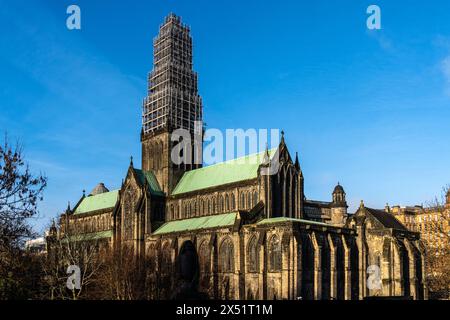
(172, 103)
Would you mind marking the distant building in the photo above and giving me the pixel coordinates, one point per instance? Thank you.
(433, 223)
(38, 245)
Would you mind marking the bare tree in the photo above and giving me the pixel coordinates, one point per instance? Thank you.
(122, 277)
(438, 247)
(20, 192)
(74, 248)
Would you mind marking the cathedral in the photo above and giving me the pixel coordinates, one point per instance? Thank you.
(252, 235)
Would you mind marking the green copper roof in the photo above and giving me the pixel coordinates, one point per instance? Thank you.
(215, 221)
(98, 202)
(286, 219)
(89, 236)
(151, 180)
(240, 169)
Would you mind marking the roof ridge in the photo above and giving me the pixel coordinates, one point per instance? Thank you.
(95, 195)
(104, 193)
(230, 171)
(232, 160)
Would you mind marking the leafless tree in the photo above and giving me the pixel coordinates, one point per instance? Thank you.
(74, 248)
(20, 192)
(123, 276)
(438, 247)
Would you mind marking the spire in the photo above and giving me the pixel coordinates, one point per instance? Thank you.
(53, 230)
(131, 162)
(68, 208)
(447, 198)
(266, 159)
(297, 163)
(282, 137)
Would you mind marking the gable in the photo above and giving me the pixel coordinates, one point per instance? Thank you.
(231, 171)
(152, 182)
(386, 219)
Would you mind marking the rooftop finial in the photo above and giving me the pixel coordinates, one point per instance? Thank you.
(361, 205)
(84, 193)
(297, 163)
(131, 161)
(266, 158)
(53, 227)
(53, 230)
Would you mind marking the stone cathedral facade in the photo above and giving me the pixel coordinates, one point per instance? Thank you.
(253, 235)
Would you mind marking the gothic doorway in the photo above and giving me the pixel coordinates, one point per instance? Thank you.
(187, 272)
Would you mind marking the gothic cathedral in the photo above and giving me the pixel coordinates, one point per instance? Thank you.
(230, 230)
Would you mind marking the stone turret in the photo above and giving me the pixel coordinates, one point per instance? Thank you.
(338, 206)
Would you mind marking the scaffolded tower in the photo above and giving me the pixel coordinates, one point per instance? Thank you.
(173, 101)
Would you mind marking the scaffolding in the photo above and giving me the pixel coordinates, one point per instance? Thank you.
(173, 101)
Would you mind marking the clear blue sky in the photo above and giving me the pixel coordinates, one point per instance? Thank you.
(370, 109)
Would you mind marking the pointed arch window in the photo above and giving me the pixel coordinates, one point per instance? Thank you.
(227, 203)
(252, 255)
(255, 198)
(204, 255)
(226, 256)
(202, 208)
(194, 208)
(233, 202)
(166, 261)
(274, 254)
(221, 207)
